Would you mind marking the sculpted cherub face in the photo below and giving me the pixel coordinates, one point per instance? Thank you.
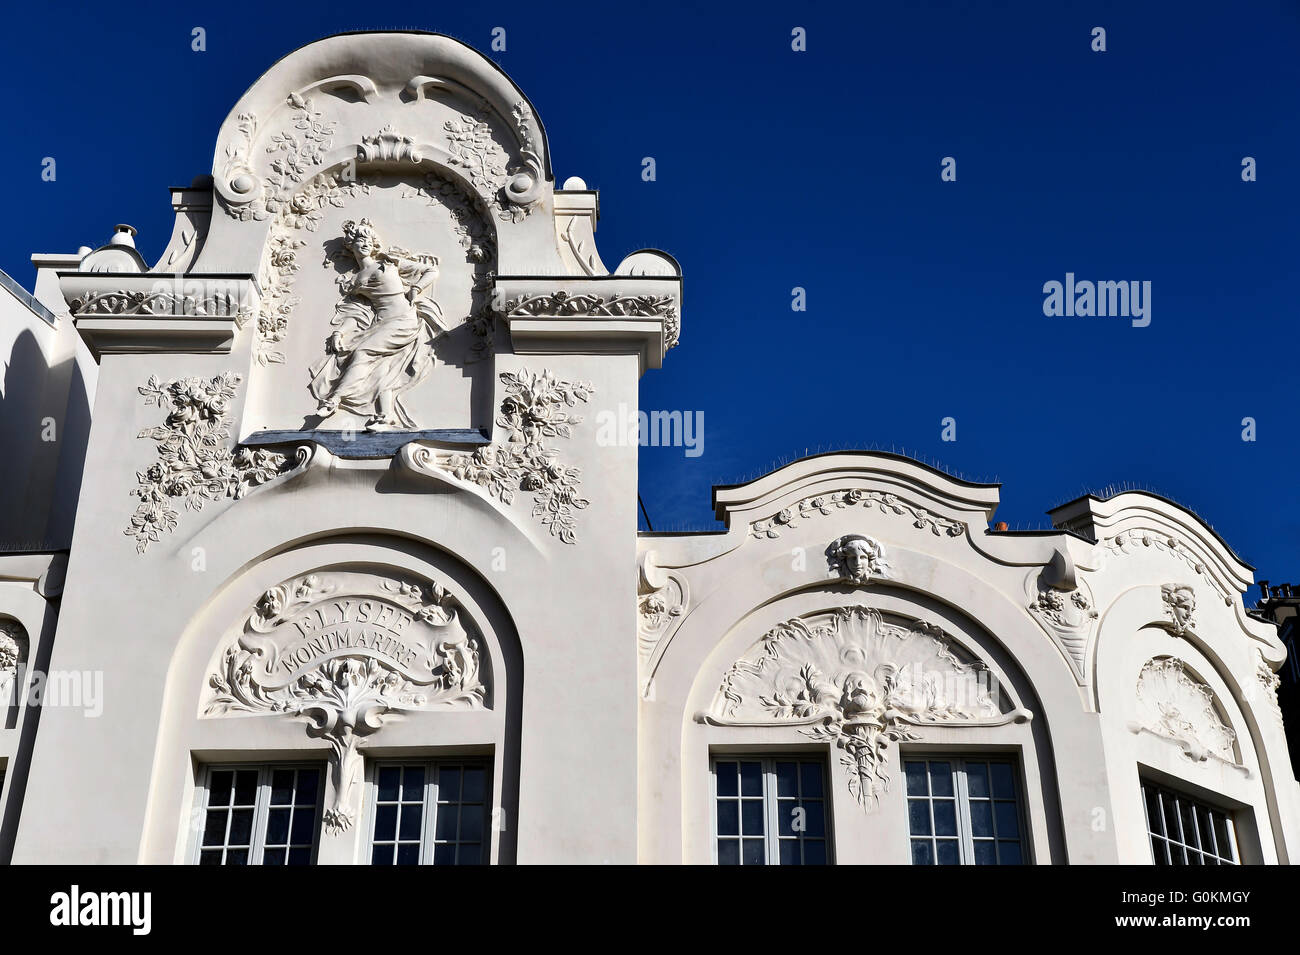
(857, 555)
(857, 558)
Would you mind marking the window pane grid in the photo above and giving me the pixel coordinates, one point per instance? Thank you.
(1185, 831)
(260, 815)
(770, 811)
(432, 812)
(963, 812)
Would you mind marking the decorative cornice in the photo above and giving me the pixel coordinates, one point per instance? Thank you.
(824, 504)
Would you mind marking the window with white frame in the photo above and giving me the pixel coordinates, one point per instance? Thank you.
(430, 813)
(770, 811)
(1187, 831)
(964, 811)
(260, 815)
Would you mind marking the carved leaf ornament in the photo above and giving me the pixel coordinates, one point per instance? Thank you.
(851, 678)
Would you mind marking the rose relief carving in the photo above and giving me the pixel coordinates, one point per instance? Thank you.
(1135, 540)
(1175, 704)
(852, 678)
(1180, 603)
(344, 651)
(194, 464)
(828, 503)
(533, 411)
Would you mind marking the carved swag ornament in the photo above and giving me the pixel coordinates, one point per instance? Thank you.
(849, 677)
(343, 650)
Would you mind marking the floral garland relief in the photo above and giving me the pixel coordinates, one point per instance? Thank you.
(534, 410)
(194, 464)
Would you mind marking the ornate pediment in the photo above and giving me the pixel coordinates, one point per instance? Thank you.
(854, 678)
(344, 650)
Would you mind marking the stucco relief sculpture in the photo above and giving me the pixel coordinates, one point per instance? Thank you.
(343, 650)
(1068, 615)
(533, 411)
(1180, 604)
(828, 503)
(850, 677)
(1269, 681)
(194, 464)
(1175, 704)
(662, 598)
(385, 326)
(13, 654)
(857, 558)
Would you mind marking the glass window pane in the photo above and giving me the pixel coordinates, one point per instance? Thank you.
(282, 787)
(1154, 820)
(210, 857)
(1004, 785)
(918, 817)
(274, 856)
(220, 785)
(945, 817)
(985, 852)
(300, 856)
(947, 852)
(728, 817)
(445, 824)
(241, 827)
(385, 823)
(245, 787)
(916, 785)
(815, 819)
(941, 778)
(444, 854)
(728, 776)
(408, 853)
(1221, 836)
(411, 817)
(811, 776)
(277, 827)
(1009, 853)
(922, 852)
(237, 857)
(752, 851)
(1171, 816)
(381, 854)
(308, 784)
(789, 852)
(304, 827)
(1008, 820)
(728, 852)
(787, 779)
(787, 813)
(981, 818)
(1189, 824)
(977, 779)
(751, 779)
(449, 784)
(214, 831)
(814, 852)
(413, 784)
(475, 787)
(387, 783)
(751, 817)
(471, 823)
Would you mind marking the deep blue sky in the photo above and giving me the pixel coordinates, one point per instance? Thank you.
(821, 169)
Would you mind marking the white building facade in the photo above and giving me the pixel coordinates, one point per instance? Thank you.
(355, 574)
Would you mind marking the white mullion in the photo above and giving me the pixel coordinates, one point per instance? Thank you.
(962, 805)
(262, 796)
(1232, 837)
(428, 823)
(713, 806)
(772, 842)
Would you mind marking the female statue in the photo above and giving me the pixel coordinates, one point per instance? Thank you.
(386, 324)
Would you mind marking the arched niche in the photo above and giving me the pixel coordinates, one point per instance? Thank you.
(1180, 709)
(336, 651)
(882, 672)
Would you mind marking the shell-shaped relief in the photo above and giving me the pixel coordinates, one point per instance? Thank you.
(1174, 703)
(853, 678)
